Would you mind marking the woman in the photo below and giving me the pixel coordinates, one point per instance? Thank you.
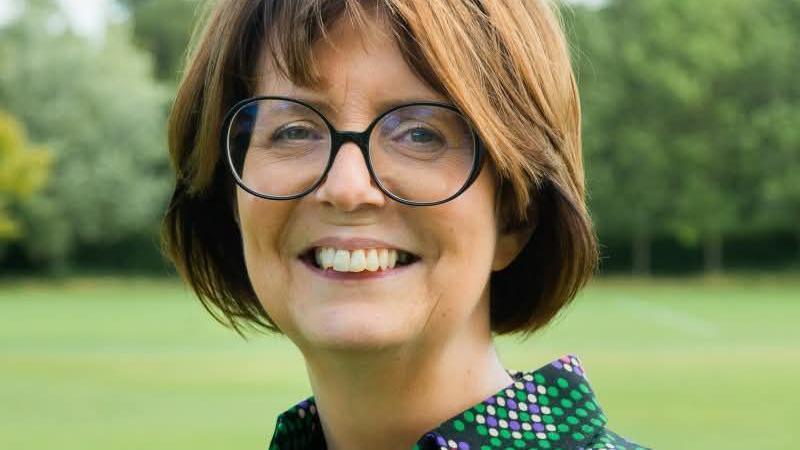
(389, 183)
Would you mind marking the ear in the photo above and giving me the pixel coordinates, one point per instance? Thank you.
(509, 245)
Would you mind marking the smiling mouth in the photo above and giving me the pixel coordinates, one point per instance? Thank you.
(360, 260)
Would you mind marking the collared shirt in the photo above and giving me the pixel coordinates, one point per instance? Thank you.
(552, 407)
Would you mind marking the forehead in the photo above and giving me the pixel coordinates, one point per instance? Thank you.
(356, 64)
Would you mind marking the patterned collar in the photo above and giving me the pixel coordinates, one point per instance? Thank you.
(552, 407)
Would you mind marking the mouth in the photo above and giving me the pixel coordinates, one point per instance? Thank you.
(359, 260)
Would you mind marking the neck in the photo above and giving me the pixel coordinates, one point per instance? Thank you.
(389, 399)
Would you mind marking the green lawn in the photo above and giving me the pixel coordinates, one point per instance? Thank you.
(137, 364)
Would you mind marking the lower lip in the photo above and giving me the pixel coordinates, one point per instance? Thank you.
(363, 275)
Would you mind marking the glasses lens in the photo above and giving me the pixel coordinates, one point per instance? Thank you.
(278, 148)
(422, 153)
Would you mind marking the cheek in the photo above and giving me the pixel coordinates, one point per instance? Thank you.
(260, 225)
(470, 221)
(465, 238)
(263, 227)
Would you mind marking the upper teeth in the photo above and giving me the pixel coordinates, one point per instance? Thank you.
(359, 260)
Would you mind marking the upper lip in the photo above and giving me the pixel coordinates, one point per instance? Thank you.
(354, 243)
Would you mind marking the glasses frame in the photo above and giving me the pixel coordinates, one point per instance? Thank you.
(361, 139)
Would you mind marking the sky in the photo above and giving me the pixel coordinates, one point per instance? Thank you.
(86, 16)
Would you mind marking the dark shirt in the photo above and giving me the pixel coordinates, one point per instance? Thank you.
(552, 407)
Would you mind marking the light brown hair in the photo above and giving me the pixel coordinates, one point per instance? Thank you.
(504, 63)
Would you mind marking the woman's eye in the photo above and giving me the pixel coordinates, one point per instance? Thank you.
(296, 134)
(420, 136)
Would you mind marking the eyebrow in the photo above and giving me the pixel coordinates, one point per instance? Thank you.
(380, 106)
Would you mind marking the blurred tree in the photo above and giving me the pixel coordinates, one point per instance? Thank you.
(163, 28)
(744, 130)
(671, 91)
(774, 96)
(708, 121)
(95, 105)
(23, 172)
(623, 129)
(778, 128)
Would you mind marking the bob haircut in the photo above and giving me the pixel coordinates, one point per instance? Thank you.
(504, 64)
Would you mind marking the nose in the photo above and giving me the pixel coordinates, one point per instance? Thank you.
(348, 185)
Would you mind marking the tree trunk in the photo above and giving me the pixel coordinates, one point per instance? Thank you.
(640, 244)
(712, 253)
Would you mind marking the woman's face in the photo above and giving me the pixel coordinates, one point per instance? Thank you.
(442, 293)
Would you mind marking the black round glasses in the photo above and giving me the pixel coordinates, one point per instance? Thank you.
(419, 154)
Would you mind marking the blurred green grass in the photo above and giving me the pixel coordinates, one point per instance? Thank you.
(689, 363)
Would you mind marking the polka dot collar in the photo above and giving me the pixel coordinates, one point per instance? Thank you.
(552, 407)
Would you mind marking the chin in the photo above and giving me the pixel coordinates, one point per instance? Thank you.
(356, 332)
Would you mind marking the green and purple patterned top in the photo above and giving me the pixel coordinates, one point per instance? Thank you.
(551, 408)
